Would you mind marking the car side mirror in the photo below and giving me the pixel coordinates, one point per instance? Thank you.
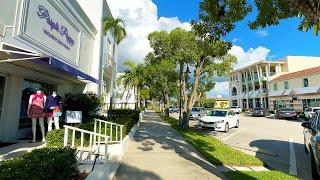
(306, 124)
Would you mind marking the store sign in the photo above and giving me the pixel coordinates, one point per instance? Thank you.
(73, 117)
(43, 13)
(49, 27)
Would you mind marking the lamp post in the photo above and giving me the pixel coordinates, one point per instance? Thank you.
(180, 103)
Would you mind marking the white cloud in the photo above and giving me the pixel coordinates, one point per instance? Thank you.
(244, 58)
(262, 33)
(249, 57)
(235, 40)
(141, 18)
(220, 90)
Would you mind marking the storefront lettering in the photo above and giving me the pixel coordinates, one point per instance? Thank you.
(46, 32)
(43, 13)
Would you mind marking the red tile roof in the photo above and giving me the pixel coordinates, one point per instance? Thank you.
(298, 74)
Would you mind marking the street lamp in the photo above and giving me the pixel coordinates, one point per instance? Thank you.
(180, 104)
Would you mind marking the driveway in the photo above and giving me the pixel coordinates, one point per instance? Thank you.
(279, 143)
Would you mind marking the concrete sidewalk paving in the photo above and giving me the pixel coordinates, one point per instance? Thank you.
(159, 152)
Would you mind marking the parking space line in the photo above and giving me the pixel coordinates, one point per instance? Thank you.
(293, 161)
(225, 138)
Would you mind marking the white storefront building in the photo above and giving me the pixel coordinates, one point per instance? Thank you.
(49, 45)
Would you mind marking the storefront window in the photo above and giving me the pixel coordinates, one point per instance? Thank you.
(30, 87)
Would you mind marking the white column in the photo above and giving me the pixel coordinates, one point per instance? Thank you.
(267, 70)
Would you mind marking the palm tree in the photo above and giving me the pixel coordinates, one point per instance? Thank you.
(119, 32)
(118, 27)
(133, 77)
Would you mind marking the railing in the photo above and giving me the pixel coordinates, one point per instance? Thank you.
(95, 146)
(115, 130)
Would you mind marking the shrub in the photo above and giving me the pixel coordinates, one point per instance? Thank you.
(89, 103)
(124, 113)
(45, 163)
(55, 138)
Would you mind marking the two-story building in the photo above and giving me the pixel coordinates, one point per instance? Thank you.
(49, 45)
(300, 89)
(249, 86)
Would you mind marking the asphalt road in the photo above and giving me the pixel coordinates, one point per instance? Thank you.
(279, 143)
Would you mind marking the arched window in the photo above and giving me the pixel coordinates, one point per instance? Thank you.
(234, 91)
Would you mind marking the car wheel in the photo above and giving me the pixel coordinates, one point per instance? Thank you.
(226, 129)
(314, 170)
(237, 125)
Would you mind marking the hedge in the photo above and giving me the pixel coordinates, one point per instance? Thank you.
(125, 117)
(45, 163)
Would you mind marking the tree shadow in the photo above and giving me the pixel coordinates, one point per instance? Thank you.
(153, 130)
(126, 171)
(276, 155)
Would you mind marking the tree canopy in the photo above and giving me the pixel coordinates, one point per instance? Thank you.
(218, 17)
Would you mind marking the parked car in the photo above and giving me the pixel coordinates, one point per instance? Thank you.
(197, 112)
(258, 111)
(173, 109)
(309, 112)
(311, 134)
(287, 113)
(236, 109)
(220, 120)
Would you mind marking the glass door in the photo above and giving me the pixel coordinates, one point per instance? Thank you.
(2, 82)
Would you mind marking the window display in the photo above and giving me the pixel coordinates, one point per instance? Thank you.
(30, 87)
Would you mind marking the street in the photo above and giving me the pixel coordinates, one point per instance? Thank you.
(277, 142)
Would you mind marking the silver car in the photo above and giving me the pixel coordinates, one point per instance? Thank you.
(197, 112)
(312, 142)
(287, 113)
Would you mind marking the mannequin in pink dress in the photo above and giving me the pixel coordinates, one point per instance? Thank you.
(35, 111)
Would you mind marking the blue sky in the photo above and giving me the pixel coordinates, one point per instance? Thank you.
(274, 42)
(145, 16)
(283, 39)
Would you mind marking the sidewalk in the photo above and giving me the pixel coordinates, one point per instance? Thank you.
(159, 152)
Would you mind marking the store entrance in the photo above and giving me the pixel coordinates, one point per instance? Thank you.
(2, 83)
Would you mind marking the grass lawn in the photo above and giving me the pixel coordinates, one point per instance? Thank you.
(213, 149)
(262, 175)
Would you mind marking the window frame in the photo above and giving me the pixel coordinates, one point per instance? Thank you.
(275, 86)
(286, 85)
(303, 81)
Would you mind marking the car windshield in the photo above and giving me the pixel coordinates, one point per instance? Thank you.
(195, 109)
(219, 113)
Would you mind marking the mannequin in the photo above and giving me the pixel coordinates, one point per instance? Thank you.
(35, 111)
(53, 110)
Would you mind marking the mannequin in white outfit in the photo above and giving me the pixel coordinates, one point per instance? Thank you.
(53, 104)
(35, 111)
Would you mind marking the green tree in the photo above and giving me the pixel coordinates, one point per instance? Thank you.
(133, 77)
(161, 79)
(117, 26)
(206, 56)
(219, 16)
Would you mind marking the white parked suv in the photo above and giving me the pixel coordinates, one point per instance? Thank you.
(220, 120)
(309, 112)
(197, 112)
(236, 109)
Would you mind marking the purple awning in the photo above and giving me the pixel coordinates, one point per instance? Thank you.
(60, 66)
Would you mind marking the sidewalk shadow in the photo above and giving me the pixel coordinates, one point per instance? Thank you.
(280, 160)
(170, 139)
(126, 171)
